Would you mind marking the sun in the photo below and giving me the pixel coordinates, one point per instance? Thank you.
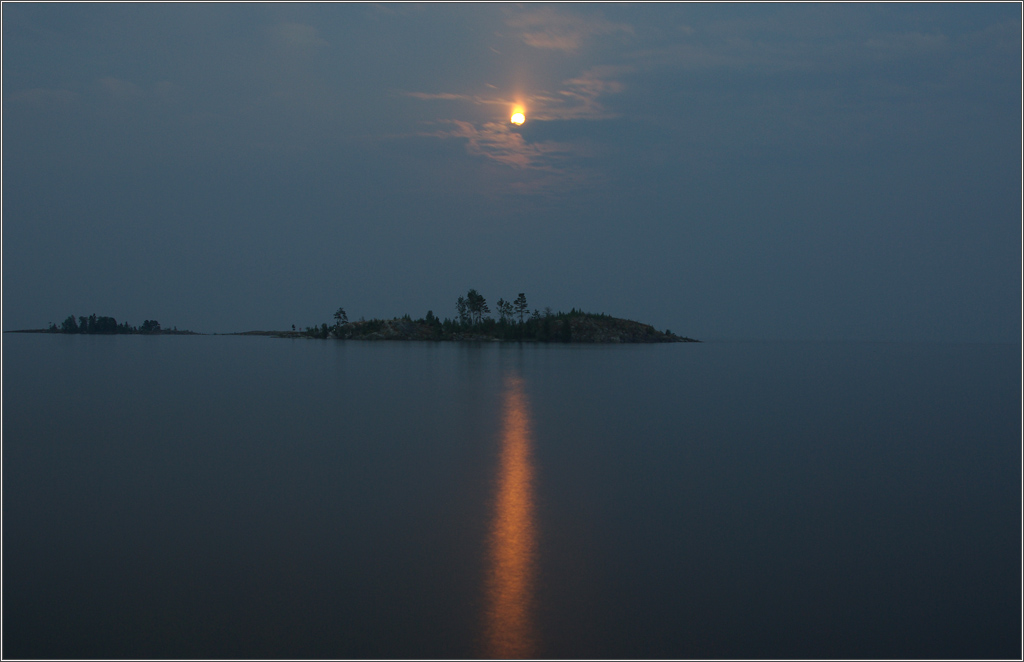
(518, 118)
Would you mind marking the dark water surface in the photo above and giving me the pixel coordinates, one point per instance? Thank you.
(254, 497)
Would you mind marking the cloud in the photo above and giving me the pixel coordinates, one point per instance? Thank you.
(547, 28)
(427, 96)
(497, 141)
(486, 130)
(297, 36)
(815, 44)
(578, 98)
(475, 99)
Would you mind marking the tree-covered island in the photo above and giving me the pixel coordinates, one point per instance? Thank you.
(514, 321)
(103, 325)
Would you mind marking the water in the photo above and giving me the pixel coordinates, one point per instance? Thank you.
(253, 497)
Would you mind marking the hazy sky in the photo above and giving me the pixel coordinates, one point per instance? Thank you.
(828, 171)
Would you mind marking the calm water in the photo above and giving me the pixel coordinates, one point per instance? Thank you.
(254, 497)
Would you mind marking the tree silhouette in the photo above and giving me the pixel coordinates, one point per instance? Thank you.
(341, 317)
(505, 309)
(103, 324)
(477, 306)
(521, 307)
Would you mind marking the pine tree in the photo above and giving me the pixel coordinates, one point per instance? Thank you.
(521, 307)
(477, 306)
(341, 319)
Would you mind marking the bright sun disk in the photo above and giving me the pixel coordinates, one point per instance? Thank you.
(518, 118)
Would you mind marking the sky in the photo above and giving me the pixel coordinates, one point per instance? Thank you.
(727, 171)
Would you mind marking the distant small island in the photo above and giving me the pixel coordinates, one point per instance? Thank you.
(514, 323)
(103, 325)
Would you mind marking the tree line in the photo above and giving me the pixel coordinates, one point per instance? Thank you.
(102, 324)
(514, 321)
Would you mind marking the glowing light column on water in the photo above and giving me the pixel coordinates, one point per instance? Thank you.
(509, 628)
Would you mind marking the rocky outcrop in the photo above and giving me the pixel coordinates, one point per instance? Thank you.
(585, 329)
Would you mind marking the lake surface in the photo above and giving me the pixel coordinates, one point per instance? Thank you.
(212, 496)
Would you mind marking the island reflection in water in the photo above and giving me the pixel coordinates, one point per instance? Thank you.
(509, 629)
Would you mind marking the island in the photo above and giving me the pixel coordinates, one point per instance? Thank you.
(104, 325)
(514, 323)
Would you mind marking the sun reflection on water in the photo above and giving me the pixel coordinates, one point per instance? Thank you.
(512, 549)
